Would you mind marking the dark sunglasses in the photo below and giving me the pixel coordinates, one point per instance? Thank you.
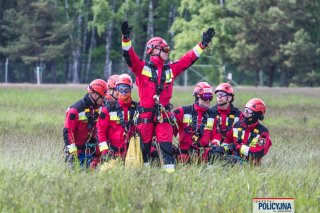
(165, 49)
(206, 96)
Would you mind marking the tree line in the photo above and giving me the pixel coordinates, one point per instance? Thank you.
(261, 42)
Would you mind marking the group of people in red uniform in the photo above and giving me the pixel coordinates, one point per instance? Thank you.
(99, 126)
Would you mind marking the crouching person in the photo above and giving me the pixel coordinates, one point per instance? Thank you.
(225, 114)
(80, 127)
(115, 124)
(195, 125)
(249, 140)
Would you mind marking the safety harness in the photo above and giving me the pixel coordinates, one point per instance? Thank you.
(89, 147)
(132, 110)
(229, 126)
(158, 108)
(253, 134)
(193, 127)
(115, 107)
(259, 129)
(234, 113)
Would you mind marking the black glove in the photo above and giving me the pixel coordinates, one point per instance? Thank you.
(217, 150)
(125, 30)
(233, 147)
(207, 36)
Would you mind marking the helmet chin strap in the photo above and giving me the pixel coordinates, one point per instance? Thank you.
(157, 54)
(196, 99)
(112, 94)
(253, 119)
(94, 100)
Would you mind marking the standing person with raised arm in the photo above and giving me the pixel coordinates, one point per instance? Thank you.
(154, 79)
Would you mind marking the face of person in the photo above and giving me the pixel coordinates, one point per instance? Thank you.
(164, 56)
(247, 113)
(205, 99)
(97, 98)
(163, 52)
(223, 98)
(124, 91)
(111, 93)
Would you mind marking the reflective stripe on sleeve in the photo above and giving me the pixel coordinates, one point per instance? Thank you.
(103, 146)
(126, 45)
(244, 150)
(72, 148)
(197, 50)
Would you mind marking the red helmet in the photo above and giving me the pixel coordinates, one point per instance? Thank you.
(224, 87)
(157, 43)
(201, 88)
(256, 105)
(99, 86)
(112, 81)
(124, 79)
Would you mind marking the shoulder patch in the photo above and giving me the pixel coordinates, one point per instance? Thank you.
(102, 115)
(72, 116)
(262, 141)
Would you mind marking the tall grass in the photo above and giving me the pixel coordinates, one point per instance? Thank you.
(34, 178)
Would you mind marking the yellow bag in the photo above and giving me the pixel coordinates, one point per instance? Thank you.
(134, 153)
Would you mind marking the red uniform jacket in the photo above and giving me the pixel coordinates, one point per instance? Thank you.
(114, 120)
(191, 119)
(251, 141)
(147, 73)
(223, 122)
(80, 123)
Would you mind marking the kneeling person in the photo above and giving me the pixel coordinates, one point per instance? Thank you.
(80, 126)
(248, 138)
(225, 115)
(115, 124)
(195, 124)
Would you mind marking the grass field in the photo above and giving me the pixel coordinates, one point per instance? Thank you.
(34, 178)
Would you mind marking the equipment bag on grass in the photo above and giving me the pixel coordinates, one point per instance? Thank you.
(134, 154)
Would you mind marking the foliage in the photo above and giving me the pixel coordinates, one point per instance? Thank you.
(34, 32)
(260, 42)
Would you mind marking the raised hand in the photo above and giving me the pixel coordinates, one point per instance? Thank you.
(125, 29)
(207, 37)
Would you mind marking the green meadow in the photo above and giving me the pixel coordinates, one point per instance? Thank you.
(34, 177)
